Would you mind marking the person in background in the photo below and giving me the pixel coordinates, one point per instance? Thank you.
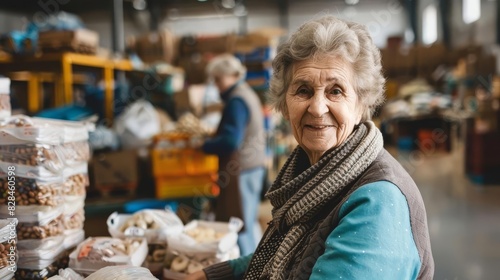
(240, 145)
(343, 207)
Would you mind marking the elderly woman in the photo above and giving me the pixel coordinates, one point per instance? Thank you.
(343, 207)
(240, 145)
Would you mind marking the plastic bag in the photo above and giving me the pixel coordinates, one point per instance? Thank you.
(97, 252)
(137, 125)
(42, 249)
(73, 237)
(31, 191)
(39, 230)
(43, 131)
(41, 215)
(201, 237)
(8, 249)
(121, 273)
(67, 274)
(154, 225)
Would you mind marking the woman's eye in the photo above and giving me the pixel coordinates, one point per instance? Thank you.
(336, 91)
(303, 90)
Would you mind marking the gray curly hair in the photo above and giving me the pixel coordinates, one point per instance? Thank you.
(226, 64)
(330, 35)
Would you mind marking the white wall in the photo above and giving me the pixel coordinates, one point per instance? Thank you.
(481, 32)
(383, 18)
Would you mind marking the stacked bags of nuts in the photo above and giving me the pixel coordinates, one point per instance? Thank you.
(8, 248)
(201, 244)
(154, 225)
(37, 155)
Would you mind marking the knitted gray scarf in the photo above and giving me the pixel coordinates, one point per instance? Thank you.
(300, 196)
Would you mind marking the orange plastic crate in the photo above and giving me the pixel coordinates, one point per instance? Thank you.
(176, 187)
(183, 162)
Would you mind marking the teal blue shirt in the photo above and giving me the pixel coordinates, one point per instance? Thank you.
(373, 239)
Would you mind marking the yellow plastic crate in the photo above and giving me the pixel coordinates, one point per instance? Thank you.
(191, 186)
(183, 162)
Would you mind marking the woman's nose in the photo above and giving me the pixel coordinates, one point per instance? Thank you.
(317, 105)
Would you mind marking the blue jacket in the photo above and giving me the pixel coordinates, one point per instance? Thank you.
(372, 241)
(235, 118)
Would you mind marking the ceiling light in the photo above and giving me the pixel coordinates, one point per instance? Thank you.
(139, 5)
(351, 2)
(228, 4)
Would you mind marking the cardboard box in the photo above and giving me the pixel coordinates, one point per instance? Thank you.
(211, 44)
(158, 46)
(261, 38)
(80, 40)
(114, 170)
(195, 68)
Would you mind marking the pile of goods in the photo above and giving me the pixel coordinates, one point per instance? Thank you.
(154, 225)
(43, 180)
(201, 244)
(99, 252)
(8, 248)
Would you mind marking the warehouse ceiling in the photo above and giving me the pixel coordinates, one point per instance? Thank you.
(81, 6)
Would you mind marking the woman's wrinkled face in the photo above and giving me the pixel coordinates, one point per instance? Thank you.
(322, 106)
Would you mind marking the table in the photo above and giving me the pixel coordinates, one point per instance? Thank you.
(444, 128)
(64, 63)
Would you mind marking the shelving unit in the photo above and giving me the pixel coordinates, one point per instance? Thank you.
(62, 65)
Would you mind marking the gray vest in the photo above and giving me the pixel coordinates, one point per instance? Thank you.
(384, 168)
(252, 151)
(250, 155)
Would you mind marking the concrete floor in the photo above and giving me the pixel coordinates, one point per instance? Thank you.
(464, 218)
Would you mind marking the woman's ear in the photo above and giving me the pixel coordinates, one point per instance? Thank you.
(361, 113)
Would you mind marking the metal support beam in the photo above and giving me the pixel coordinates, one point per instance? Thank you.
(412, 10)
(243, 25)
(445, 7)
(498, 22)
(154, 9)
(118, 35)
(118, 28)
(283, 10)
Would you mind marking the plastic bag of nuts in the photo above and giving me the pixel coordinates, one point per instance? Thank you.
(5, 108)
(74, 220)
(42, 130)
(41, 269)
(8, 248)
(39, 155)
(40, 231)
(31, 191)
(76, 185)
(76, 152)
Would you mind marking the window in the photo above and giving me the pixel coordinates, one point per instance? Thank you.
(471, 10)
(429, 25)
